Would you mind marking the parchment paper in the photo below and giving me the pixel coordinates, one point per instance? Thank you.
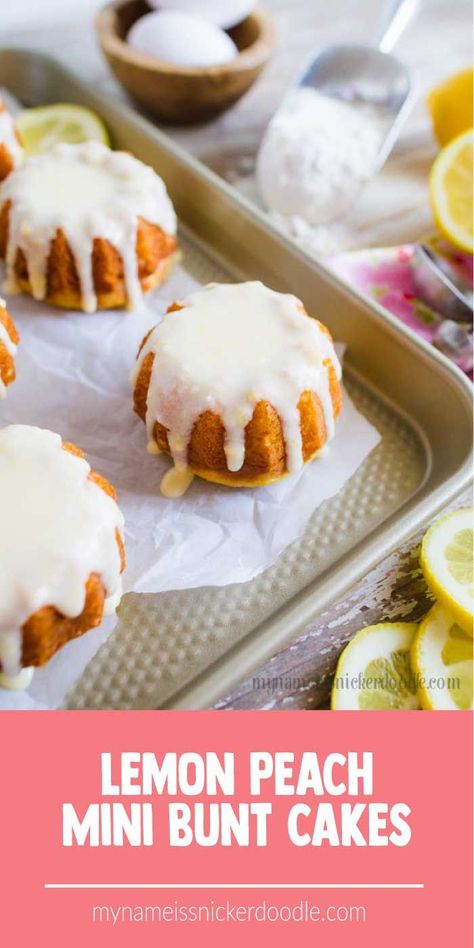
(73, 376)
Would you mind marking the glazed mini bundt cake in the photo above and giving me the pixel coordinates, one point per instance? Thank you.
(61, 549)
(84, 227)
(11, 152)
(9, 340)
(239, 385)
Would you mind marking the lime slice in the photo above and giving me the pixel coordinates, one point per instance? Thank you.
(447, 564)
(41, 128)
(374, 671)
(442, 661)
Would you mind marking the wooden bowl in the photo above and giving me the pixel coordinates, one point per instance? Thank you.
(176, 93)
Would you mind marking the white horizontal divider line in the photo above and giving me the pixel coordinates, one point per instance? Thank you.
(234, 885)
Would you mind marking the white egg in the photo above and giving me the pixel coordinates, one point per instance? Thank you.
(223, 13)
(181, 39)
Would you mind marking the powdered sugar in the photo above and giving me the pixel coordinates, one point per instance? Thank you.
(317, 153)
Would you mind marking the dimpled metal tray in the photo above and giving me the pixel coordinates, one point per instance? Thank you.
(187, 648)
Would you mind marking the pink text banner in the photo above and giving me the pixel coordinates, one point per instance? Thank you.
(171, 828)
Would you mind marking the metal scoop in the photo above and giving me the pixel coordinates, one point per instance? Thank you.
(358, 73)
(440, 285)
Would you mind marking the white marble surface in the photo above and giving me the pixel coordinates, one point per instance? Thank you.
(394, 208)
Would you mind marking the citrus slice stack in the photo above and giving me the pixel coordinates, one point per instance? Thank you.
(441, 656)
(374, 671)
(403, 666)
(447, 563)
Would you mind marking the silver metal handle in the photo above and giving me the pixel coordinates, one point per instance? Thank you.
(396, 18)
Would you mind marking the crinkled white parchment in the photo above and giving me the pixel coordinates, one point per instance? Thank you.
(73, 376)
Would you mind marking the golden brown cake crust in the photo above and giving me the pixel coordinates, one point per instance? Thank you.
(6, 161)
(47, 630)
(7, 362)
(155, 256)
(265, 453)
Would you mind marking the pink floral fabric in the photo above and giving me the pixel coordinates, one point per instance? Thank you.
(385, 275)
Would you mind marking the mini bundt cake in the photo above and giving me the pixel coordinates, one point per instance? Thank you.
(84, 227)
(61, 549)
(11, 152)
(9, 340)
(239, 385)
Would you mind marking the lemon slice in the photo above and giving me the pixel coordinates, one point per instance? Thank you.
(41, 128)
(451, 192)
(451, 106)
(442, 661)
(374, 671)
(447, 563)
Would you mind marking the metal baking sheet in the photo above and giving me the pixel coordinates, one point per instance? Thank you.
(187, 648)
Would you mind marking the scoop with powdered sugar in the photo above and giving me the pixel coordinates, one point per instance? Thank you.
(336, 128)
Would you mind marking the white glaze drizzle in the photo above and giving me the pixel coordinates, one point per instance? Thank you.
(9, 345)
(9, 137)
(229, 347)
(57, 527)
(87, 191)
(17, 682)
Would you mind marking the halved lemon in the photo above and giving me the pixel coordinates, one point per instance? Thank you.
(451, 191)
(441, 656)
(451, 106)
(41, 128)
(447, 563)
(374, 671)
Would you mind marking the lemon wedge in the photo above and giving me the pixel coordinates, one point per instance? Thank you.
(451, 106)
(447, 563)
(41, 128)
(441, 656)
(374, 671)
(451, 190)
